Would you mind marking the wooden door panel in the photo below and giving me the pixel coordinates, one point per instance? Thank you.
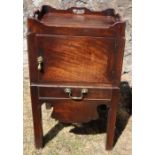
(74, 58)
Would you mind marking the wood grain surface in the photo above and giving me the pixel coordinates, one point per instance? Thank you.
(74, 58)
(81, 51)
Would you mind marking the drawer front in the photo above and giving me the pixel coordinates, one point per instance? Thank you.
(75, 58)
(76, 94)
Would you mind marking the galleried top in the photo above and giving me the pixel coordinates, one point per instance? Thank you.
(76, 17)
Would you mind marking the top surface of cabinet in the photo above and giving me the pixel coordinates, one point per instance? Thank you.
(76, 21)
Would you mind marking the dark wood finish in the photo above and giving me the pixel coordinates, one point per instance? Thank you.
(80, 59)
(37, 118)
(58, 93)
(81, 49)
(117, 27)
(69, 111)
(112, 119)
(48, 9)
(70, 20)
(36, 26)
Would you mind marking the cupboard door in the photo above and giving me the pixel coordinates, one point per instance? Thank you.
(75, 58)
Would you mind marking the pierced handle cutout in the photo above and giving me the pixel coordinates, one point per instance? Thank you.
(78, 11)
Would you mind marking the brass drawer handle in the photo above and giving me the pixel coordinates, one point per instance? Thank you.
(69, 92)
(40, 61)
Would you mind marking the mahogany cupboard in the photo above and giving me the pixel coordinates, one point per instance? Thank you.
(75, 64)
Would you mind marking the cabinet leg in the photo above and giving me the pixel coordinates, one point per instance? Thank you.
(112, 119)
(37, 118)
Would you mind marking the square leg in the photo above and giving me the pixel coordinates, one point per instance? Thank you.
(37, 118)
(112, 119)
